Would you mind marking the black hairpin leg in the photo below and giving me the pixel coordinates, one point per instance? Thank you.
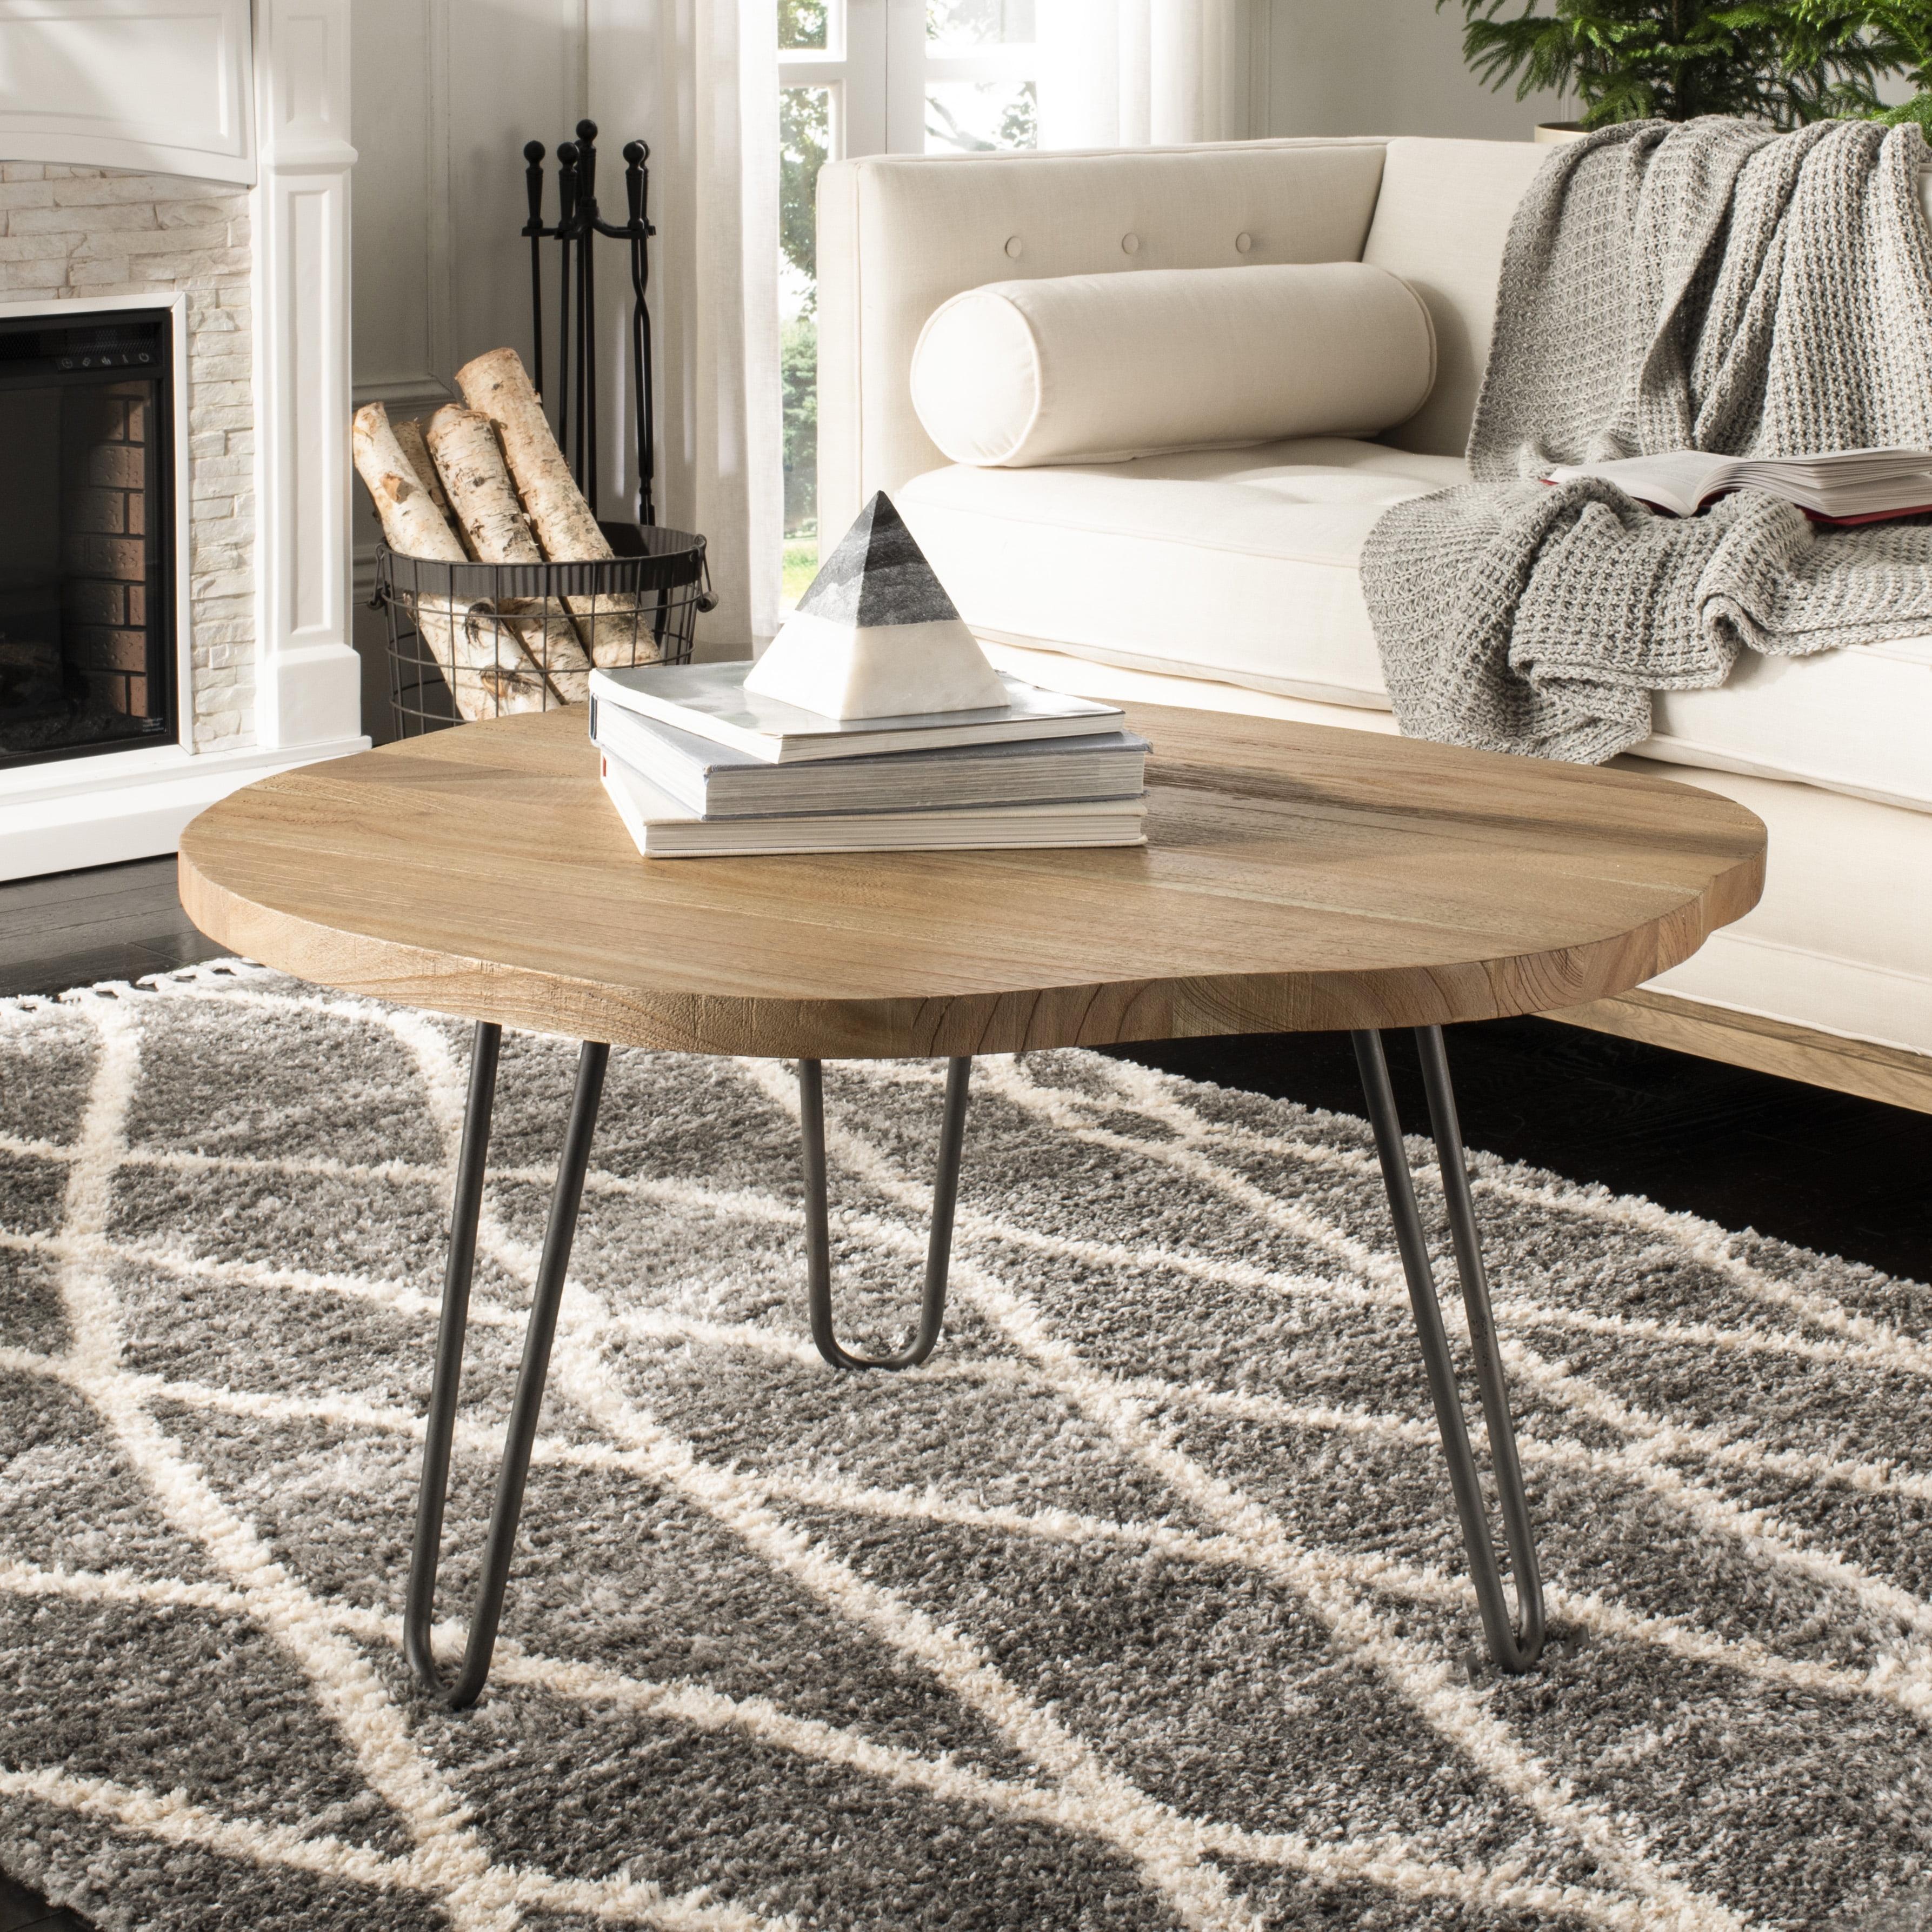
(499, 1542)
(817, 1233)
(1514, 1649)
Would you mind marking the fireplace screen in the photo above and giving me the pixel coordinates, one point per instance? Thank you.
(87, 634)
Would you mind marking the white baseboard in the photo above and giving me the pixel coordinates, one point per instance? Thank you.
(99, 813)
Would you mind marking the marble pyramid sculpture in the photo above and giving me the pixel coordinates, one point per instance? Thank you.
(876, 636)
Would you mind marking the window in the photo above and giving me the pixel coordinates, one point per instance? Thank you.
(868, 77)
(979, 82)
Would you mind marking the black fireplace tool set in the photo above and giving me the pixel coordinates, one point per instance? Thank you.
(578, 221)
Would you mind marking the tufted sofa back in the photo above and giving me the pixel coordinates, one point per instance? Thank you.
(898, 235)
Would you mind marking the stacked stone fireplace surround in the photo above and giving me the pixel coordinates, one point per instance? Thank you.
(79, 234)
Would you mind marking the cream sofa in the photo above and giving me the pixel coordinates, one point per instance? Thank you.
(1227, 578)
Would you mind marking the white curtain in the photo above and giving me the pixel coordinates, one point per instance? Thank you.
(698, 80)
(1136, 74)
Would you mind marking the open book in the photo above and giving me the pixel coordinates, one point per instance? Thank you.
(1849, 486)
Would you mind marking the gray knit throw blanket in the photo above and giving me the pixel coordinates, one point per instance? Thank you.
(1710, 286)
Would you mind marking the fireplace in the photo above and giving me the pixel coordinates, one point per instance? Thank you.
(87, 606)
(174, 584)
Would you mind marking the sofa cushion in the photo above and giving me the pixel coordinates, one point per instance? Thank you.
(1100, 368)
(1240, 566)
(1855, 721)
(1842, 939)
(1440, 221)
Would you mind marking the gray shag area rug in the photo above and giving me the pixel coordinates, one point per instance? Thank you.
(1140, 1608)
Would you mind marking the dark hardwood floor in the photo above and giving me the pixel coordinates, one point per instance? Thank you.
(1827, 1171)
(115, 922)
(23, 1911)
(1844, 1175)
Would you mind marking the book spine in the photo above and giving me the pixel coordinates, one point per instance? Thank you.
(674, 777)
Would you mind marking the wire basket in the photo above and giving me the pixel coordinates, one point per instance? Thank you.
(470, 641)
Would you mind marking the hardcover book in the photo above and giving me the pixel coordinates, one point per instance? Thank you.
(709, 700)
(664, 829)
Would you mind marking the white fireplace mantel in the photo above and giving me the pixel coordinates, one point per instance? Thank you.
(214, 90)
(162, 85)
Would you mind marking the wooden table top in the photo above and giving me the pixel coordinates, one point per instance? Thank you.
(1298, 877)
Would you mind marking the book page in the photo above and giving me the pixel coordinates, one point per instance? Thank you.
(1678, 480)
(1856, 485)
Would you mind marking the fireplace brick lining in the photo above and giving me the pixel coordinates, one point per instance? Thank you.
(79, 234)
(104, 478)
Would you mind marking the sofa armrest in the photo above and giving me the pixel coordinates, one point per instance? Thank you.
(898, 235)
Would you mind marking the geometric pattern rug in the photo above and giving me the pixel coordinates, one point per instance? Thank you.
(1141, 1606)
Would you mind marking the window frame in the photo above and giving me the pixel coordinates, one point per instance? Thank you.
(877, 64)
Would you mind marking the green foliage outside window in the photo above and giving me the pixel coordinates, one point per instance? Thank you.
(805, 130)
(798, 366)
(801, 25)
(1785, 61)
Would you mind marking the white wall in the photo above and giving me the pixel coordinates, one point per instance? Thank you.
(1385, 66)
(445, 94)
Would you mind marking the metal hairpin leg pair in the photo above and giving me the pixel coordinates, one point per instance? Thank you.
(1513, 1649)
(499, 1540)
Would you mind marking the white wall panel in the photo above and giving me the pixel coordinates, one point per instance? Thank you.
(400, 255)
(446, 93)
(516, 74)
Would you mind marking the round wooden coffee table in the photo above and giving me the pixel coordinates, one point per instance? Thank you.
(1296, 878)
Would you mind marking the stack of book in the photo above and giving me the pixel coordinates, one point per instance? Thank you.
(698, 767)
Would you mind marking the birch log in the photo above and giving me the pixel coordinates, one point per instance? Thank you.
(548, 638)
(410, 437)
(464, 649)
(412, 526)
(463, 446)
(497, 386)
(499, 667)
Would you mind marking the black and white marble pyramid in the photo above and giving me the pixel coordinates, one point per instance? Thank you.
(876, 635)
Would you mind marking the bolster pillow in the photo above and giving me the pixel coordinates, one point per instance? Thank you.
(1099, 368)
